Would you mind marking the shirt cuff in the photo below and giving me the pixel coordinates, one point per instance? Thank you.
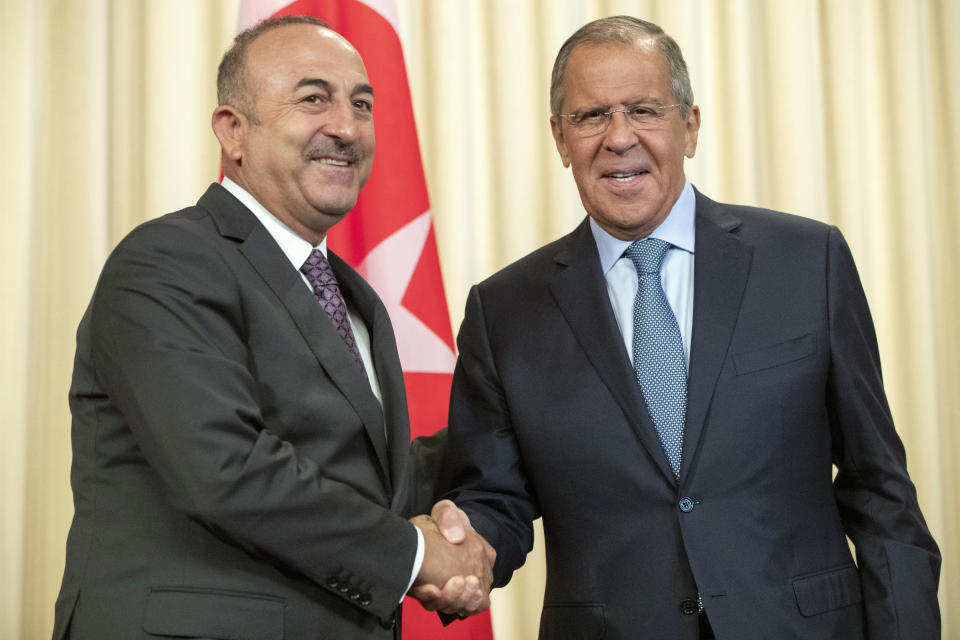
(418, 561)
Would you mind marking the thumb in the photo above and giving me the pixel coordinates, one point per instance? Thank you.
(451, 520)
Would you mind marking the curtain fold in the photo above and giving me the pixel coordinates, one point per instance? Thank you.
(842, 111)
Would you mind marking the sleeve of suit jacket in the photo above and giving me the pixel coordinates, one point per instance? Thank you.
(899, 562)
(418, 494)
(168, 339)
(483, 464)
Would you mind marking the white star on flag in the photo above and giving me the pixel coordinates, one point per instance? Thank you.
(388, 268)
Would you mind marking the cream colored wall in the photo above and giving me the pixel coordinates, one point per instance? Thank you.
(842, 111)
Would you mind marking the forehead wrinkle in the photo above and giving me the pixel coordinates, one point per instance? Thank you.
(320, 83)
(593, 101)
(599, 81)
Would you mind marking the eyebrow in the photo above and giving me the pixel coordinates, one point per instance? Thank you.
(315, 82)
(646, 100)
(328, 86)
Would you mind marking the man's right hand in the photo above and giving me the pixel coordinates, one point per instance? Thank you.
(457, 570)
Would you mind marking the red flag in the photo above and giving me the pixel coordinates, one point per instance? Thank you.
(388, 237)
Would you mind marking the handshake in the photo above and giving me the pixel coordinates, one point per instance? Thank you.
(457, 571)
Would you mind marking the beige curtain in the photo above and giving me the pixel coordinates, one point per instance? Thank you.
(846, 111)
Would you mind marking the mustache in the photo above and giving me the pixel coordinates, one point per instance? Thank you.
(346, 150)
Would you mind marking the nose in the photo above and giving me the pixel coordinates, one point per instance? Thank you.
(620, 135)
(341, 121)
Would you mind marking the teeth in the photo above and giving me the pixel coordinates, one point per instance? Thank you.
(336, 163)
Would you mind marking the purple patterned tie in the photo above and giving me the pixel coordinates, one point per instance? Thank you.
(325, 287)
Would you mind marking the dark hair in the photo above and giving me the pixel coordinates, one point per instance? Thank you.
(623, 30)
(232, 86)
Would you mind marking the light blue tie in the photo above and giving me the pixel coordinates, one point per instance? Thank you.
(658, 358)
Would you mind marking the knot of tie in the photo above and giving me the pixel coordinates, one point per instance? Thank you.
(647, 254)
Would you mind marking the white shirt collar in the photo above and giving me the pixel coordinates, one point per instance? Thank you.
(294, 247)
(677, 229)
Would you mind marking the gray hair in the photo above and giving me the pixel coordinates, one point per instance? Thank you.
(623, 30)
(232, 85)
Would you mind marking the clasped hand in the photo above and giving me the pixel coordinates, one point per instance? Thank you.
(457, 570)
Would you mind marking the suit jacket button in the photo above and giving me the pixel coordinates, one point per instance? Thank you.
(365, 599)
(343, 587)
(353, 594)
(686, 505)
(688, 607)
(332, 582)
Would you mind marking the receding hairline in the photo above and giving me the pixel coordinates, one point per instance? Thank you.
(328, 33)
(625, 31)
(233, 72)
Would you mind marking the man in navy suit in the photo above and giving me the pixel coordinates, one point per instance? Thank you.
(242, 465)
(670, 387)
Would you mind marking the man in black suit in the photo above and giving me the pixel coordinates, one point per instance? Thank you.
(242, 464)
(670, 386)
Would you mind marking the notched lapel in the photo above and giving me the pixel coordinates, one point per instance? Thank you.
(394, 418)
(581, 293)
(721, 268)
(332, 354)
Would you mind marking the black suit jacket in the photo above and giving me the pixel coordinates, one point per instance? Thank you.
(547, 419)
(233, 474)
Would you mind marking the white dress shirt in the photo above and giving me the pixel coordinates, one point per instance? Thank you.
(676, 273)
(297, 251)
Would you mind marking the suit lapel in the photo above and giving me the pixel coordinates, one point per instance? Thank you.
(394, 420)
(581, 293)
(265, 256)
(721, 268)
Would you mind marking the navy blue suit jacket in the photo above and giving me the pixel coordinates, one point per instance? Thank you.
(547, 419)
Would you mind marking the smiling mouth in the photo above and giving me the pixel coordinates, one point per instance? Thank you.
(624, 176)
(332, 161)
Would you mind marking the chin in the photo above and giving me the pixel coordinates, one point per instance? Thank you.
(336, 208)
(333, 214)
